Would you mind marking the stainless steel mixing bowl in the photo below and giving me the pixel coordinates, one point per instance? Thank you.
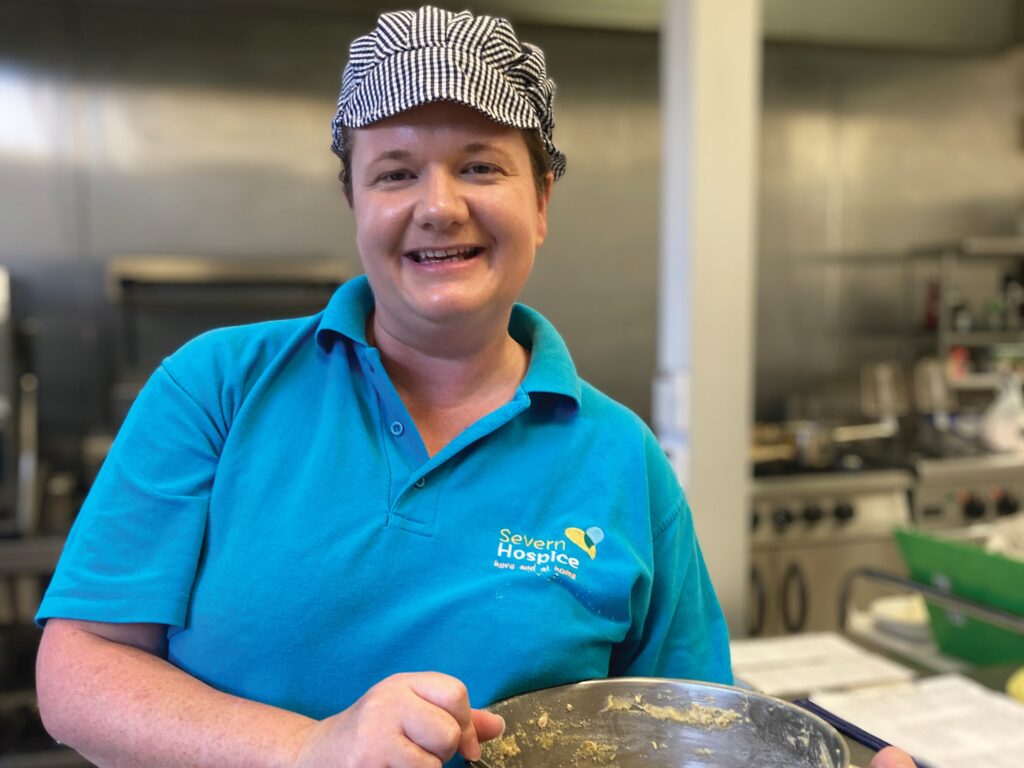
(659, 723)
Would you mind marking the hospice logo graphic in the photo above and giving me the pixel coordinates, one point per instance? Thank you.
(525, 552)
(586, 540)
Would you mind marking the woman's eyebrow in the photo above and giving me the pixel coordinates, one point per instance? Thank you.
(392, 154)
(482, 146)
(403, 155)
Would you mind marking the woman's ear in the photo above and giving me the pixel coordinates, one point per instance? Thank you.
(549, 184)
(542, 207)
(346, 189)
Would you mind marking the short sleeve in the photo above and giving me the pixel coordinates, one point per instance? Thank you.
(684, 634)
(134, 548)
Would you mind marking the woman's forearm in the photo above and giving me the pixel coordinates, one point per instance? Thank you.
(119, 705)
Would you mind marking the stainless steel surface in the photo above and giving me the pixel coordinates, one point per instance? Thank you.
(10, 369)
(29, 495)
(133, 128)
(809, 532)
(812, 445)
(829, 507)
(863, 157)
(160, 270)
(956, 26)
(960, 491)
(972, 273)
(655, 723)
(981, 246)
(853, 433)
(961, 605)
(34, 556)
(801, 584)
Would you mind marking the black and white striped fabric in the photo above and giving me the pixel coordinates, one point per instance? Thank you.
(416, 57)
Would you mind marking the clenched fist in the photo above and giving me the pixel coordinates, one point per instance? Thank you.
(415, 720)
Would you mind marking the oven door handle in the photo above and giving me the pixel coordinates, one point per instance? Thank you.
(760, 598)
(794, 578)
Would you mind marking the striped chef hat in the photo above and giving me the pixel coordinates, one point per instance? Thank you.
(416, 57)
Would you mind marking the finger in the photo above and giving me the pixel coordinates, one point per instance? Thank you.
(411, 755)
(487, 724)
(431, 728)
(890, 757)
(450, 694)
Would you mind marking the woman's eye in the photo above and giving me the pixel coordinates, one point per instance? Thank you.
(482, 168)
(394, 176)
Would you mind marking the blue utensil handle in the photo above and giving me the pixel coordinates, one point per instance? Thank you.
(847, 728)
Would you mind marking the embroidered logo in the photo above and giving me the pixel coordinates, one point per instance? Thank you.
(586, 540)
(526, 552)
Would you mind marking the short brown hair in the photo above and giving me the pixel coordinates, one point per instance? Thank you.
(540, 160)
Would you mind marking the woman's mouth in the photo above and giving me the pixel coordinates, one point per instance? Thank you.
(440, 255)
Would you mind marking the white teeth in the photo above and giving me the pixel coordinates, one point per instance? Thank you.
(442, 254)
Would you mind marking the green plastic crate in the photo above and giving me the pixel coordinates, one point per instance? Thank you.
(969, 571)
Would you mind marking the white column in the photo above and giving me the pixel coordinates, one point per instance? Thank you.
(710, 68)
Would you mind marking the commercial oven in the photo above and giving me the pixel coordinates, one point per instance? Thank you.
(809, 532)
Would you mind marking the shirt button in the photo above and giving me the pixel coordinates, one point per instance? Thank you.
(397, 428)
(420, 482)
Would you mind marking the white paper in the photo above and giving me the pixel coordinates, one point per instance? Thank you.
(801, 664)
(947, 721)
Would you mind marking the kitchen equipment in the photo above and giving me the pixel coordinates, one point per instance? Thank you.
(164, 300)
(659, 723)
(961, 566)
(809, 531)
(19, 427)
(932, 394)
(903, 616)
(883, 391)
(955, 492)
(814, 443)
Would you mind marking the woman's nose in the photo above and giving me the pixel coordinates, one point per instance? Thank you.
(441, 203)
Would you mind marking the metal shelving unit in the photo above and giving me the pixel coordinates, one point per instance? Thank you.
(954, 258)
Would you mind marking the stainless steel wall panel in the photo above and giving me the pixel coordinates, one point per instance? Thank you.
(596, 276)
(205, 130)
(867, 154)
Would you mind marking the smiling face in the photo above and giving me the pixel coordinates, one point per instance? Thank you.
(447, 218)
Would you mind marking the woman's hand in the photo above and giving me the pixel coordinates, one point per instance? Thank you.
(890, 757)
(417, 720)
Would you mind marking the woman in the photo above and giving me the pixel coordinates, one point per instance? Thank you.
(316, 540)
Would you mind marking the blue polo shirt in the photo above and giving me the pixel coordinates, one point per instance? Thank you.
(270, 500)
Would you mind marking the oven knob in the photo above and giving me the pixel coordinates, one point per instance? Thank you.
(813, 514)
(843, 512)
(974, 508)
(755, 521)
(1007, 505)
(782, 518)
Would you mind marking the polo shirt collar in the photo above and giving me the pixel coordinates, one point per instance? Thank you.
(551, 368)
(346, 313)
